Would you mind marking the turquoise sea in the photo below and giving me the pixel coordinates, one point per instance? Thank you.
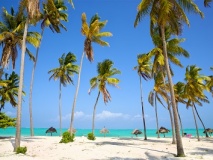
(83, 132)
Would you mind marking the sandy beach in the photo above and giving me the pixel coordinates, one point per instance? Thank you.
(43, 148)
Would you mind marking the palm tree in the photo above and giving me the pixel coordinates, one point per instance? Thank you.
(158, 92)
(11, 34)
(144, 71)
(104, 77)
(173, 50)
(9, 93)
(179, 97)
(33, 15)
(55, 7)
(93, 33)
(64, 73)
(209, 83)
(207, 3)
(194, 91)
(167, 13)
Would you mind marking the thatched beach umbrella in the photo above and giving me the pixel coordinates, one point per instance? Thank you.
(163, 130)
(208, 130)
(104, 131)
(51, 130)
(136, 132)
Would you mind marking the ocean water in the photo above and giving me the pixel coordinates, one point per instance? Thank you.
(83, 132)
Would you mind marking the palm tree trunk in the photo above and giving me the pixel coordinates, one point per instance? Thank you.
(94, 111)
(198, 137)
(156, 114)
(31, 88)
(76, 93)
(144, 122)
(60, 109)
(170, 113)
(19, 107)
(181, 126)
(201, 120)
(172, 124)
(180, 150)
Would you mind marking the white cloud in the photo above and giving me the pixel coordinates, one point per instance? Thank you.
(12, 114)
(109, 115)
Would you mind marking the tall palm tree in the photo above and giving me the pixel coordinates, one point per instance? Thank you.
(173, 50)
(209, 83)
(52, 14)
(11, 35)
(144, 71)
(168, 13)
(64, 72)
(159, 91)
(104, 77)
(179, 97)
(194, 91)
(9, 93)
(207, 3)
(32, 17)
(92, 33)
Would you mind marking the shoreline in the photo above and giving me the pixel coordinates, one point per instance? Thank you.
(106, 148)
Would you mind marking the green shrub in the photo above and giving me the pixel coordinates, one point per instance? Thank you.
(66, 137)
(91, 136)
(22, 150)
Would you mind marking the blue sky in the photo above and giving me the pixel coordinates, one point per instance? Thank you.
(124, 111)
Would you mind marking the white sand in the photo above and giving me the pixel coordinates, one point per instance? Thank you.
(49, 148)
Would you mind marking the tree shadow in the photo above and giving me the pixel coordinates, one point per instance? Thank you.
(203, 151)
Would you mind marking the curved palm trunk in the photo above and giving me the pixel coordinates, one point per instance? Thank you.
(94, 111)
(156, 114)
(181, 126)
(172, 124)
(201, 120)
(144, 122)
(76, 93)
(19, 107)
(170, 114)
(198, 137)
(60, 108)
(31, 88)
(180, 150)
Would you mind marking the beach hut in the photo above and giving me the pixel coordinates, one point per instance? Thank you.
(104, 131)
(136, 132)
(163, 130)
(51, 130)
(208, 130)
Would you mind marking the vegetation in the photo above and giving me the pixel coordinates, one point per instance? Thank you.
(167, 18)
(6, 121)
(64, 72)
(91, 136)
(22, 150)
(104, 77)
(67, 137)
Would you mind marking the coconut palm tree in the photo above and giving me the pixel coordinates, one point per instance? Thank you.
(144, 71)
(179, 97)
(11, 34)
(33, 12)
(168, 13)
(104, 77)
(53, 12)
(173, 50)
(92, 33)
(9, 93)
(159, 91)
(207, 3)
(64, 72)
(194, 91)
(209, 83)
